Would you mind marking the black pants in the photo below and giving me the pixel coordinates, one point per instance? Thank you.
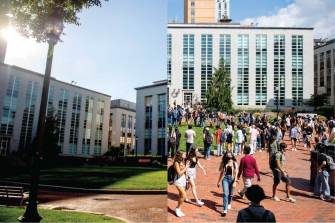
(189, 146)
(171, 148)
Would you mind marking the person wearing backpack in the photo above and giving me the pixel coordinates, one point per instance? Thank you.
(228, 176)
(321, 186)
(218, 138)
(208, 140)
(229, 136)
(180, 169)
(280, 174)
(255, 212)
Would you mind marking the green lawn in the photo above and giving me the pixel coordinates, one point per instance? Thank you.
(11, 215)
(199, 143)
(95, 177)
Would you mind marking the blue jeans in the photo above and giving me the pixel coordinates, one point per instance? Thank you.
(228, 191)
(207, 151)
(238, 149)
(219, 149)
(321, 184)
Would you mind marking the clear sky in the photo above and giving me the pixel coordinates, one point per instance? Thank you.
(118, 47)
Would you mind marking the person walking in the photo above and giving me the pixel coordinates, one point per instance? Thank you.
(171, 141)
(229, 133)
(191, 174)
(239, 141)
(218, 138)
(253, 138)
(279, 173)
(248, 168)
(321, 185)
(180, 180)
(255, 212)
(178, 136)
(189, 135)
(294, 137)
(208, 140)
(228, 175)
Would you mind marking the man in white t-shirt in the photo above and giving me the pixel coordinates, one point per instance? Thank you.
(189, 135)
(253, 138)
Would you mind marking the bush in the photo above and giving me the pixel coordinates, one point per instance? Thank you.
(327, 111)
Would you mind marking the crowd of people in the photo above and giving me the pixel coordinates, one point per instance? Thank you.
(245, 134)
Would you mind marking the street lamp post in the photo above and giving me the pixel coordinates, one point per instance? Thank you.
(53, 29)
(277, 101)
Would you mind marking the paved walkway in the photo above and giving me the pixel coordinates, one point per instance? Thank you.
(307, 208)
(132, 208)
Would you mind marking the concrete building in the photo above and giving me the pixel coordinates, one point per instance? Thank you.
(82, 114)
(151, 118)
(259, 59)
(324, 70)
(122, 126)
(206, 11)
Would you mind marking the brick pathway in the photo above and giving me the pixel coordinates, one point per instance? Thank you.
(307, 208)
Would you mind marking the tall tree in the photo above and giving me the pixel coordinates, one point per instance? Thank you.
(30, 16)
(219, 93)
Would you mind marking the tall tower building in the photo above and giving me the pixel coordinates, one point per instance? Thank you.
(206, 11)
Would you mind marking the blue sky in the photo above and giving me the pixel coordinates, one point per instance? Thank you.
(118, 47)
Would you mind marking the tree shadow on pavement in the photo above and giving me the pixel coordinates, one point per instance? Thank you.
(216, 194)
(240, 200)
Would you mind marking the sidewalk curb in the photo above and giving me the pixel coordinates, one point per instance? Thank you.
(84, 190)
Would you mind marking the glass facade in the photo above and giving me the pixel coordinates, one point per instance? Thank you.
(87, 126)
(225, 50)
(148, 125)
(50, 106)
(28, 115)
(279, 69)
(9, 106)
(161, 124)
(99, 127)
(297, 70)
(206, 64)
(261, 69)
(75, 119)
(61, 116)
(328, 73)
(169, 62)
(188, 62)
(322, 69)
(243, 70)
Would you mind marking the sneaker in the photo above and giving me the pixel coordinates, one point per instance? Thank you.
(200, 203)
(291, 199)
(179, 213)
(187, 200)
(229, 206)
(275, 198)
(225, 211)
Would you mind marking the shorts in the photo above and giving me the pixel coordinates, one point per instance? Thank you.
(181, 181)
(277, 176)
(191, 173)
(294, 139)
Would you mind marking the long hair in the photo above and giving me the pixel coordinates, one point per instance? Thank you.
(178, 157)
(192, 154)
(225, 160)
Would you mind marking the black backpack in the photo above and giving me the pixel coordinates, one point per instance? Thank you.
(171, 174)
(229, 137)
(255, 218)
(209, 139)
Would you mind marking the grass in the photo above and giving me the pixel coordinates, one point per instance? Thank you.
(198, 141)
(11, 215)
(96, 177)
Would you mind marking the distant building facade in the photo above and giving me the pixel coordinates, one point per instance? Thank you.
(82, 114)
(324, 70)
(122, 126)
(151, 107)
(206, 11)
(268, 65)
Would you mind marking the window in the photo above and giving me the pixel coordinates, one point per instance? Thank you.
(188, 61)
(279, 69)
(123, 121)
(243, 70)
(99, 127)
(74, 128)
(87, 126)
(328, 73)
(148, 125)
(261, 70)
(322, 69)
(28, 116)
(161, 124)
(297, 71)
(61, 116)
(225, 50)
(206, 64)
(169, 62)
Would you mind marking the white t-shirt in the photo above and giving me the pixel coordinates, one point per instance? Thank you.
(239, 136)
(189, 135)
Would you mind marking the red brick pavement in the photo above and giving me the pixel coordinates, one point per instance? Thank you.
(307, 207)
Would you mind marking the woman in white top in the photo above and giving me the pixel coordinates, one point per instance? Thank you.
(180, 180)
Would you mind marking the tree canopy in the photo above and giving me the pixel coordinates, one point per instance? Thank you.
(219, 93)
(30, 16)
